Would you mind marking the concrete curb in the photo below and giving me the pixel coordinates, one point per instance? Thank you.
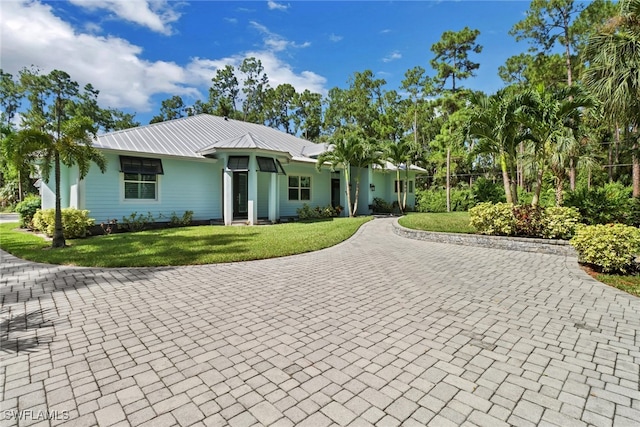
(545, 246)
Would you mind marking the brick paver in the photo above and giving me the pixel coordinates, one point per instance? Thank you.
(379, 330)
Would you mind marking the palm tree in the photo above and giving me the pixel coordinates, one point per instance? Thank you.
(552, 119)
(346, 152)
(495, 122)
(613, 75)
(399, 155)
(63, 140)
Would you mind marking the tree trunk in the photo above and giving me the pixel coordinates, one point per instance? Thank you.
(448, 179)
(19, 185)
(538, 189)
(58, 234)
(635, 170)
(572, 174)
(505, 178)
(406, 187)
(567, 48)
(559, 189)
(355, 203)
(610, 158)
(348, 190)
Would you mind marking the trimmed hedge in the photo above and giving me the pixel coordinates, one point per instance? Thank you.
(27, 209)
(611, 247)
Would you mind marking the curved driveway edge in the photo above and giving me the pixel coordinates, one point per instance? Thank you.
(544, 246)
(378, 330)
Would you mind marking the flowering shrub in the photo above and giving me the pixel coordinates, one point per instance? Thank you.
(611, 247)
(74, 222)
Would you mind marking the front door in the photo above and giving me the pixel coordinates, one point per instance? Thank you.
(240, 191)
(335, 192)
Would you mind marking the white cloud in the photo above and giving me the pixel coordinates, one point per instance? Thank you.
(278, 71)
(157, 15)
(392, 56)
(231, 20)
(275, 42)
(335, 37)
(32, 35)
(272, 5)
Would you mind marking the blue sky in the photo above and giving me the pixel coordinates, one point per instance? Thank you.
(139, 52)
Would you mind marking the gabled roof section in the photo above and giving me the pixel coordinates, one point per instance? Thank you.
(246, 141)
(191, 136)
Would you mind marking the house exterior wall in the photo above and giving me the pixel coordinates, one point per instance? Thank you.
(320, 188)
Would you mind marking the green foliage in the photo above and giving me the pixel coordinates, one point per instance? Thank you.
(27, 209)
(493, 219)
(307, 212)
(137, 222)
(176, 221)
(610, 247)
(485, 190)
(444, 222)
(381, 206)
(529, 220)
(524, 220)
(560, 222)
(75, 222)
(601, 205)
(436, 200)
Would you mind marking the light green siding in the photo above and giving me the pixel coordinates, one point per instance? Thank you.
(185, 185)
(320, 187)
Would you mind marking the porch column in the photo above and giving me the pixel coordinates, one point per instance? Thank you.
(252, 196)
(227, 193)
(273, 197)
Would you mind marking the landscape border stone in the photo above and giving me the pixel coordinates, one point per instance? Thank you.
(523, 244)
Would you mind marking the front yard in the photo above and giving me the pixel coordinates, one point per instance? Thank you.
(183, 246)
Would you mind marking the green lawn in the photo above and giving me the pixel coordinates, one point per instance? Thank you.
(183, 246)
(629, 284)
(448, 222)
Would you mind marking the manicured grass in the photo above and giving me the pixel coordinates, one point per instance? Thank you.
(629, 284)
(183, 246)
(449, 222)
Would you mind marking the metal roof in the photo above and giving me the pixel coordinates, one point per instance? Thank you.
(191, 136)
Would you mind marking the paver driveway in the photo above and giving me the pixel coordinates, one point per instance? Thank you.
(377, 330)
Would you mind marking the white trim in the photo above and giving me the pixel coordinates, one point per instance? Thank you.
(155, 201)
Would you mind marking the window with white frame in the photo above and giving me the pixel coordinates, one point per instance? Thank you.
(140, 186)
(140, 177)
(299, 187)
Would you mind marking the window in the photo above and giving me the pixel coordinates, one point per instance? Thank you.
(140, 177)
(399, 186)
(266, 164)
(410, 186)
(140, 186)
(299, 188)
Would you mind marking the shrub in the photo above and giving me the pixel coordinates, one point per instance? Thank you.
(307, 212)
(176, 221)
(436, 200)
(135, 222)
(381, 206)
(74, 222)
(529, 220)
(493, 219)
(524, 220)
(560, 222)
(610, 247)
(485, 190)
(601, 205)
(27, 209)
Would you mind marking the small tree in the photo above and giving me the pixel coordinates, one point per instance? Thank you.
(62, 140)
(348, 151)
